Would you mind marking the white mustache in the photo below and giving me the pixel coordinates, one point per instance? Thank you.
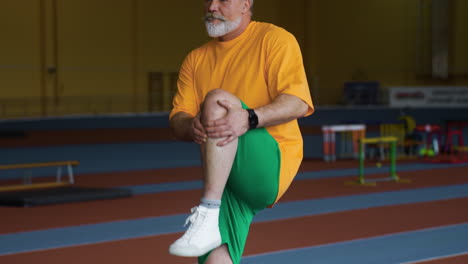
(211, 16)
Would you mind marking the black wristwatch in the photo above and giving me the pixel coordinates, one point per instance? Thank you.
(253, 119)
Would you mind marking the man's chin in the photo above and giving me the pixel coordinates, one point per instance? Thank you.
(215, 30)
(222, 28)
(214, 35)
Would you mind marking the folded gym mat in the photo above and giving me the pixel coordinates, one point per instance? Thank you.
(57, 195)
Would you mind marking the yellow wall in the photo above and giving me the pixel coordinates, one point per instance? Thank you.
(19, 53)
(104, 50)
(387, 41)
(460, 40)
(362, 39)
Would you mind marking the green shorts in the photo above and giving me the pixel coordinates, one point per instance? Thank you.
(252, 186)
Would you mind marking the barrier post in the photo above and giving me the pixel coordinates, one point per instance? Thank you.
(326, 143)
(393, 160)
(362, 157)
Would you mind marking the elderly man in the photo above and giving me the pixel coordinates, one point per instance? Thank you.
(239, 96)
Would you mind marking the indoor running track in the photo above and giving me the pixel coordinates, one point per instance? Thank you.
(320, 219)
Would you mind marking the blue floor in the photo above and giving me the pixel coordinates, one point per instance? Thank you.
(97, 158)
(389, 249)
(119, 230)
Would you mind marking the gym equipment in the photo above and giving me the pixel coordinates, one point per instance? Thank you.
(31, 194)
(58, 195)
(27, 179)
(372, 182)
(357, 131)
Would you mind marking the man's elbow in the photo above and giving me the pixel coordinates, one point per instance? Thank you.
(174, 125)
(173, 130)
(303, 109)
(180, 126)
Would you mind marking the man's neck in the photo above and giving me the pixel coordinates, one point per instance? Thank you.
(238, 31)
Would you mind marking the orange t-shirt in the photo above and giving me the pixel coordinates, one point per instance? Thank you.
(257, 66)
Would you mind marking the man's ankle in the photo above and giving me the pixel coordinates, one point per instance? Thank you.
(209, 203)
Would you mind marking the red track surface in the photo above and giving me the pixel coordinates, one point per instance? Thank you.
(298, 232)
(151, 204)
(264, 237)
(462, 259)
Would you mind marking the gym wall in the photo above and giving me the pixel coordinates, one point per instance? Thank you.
(85, 56)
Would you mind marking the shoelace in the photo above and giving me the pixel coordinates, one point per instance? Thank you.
(191, 219)
(194, 224)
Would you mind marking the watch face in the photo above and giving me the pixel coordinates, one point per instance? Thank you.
(253, 119)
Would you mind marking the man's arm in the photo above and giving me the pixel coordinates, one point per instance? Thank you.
(283, 109)
(188, 128)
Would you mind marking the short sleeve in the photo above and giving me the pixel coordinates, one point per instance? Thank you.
(285, 68)
(185, 97)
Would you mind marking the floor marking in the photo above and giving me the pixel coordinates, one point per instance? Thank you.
(387, 249)
(436, 258)
(128, 229)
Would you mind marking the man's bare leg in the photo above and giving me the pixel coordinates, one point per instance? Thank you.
(203, 234)
(217, 161)
(219, 256)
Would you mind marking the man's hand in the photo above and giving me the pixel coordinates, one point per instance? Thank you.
(233, 125)
(197, 130)
(188, 128)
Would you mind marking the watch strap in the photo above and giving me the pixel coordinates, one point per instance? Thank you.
(253, 119)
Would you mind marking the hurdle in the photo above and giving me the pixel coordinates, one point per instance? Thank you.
(357, 131)
(393, 175)
(27, 180)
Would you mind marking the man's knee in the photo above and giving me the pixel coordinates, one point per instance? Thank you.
(211, 110)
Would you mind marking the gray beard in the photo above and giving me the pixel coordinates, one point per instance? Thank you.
(222, 28)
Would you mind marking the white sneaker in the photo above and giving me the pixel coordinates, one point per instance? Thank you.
(202, 235)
